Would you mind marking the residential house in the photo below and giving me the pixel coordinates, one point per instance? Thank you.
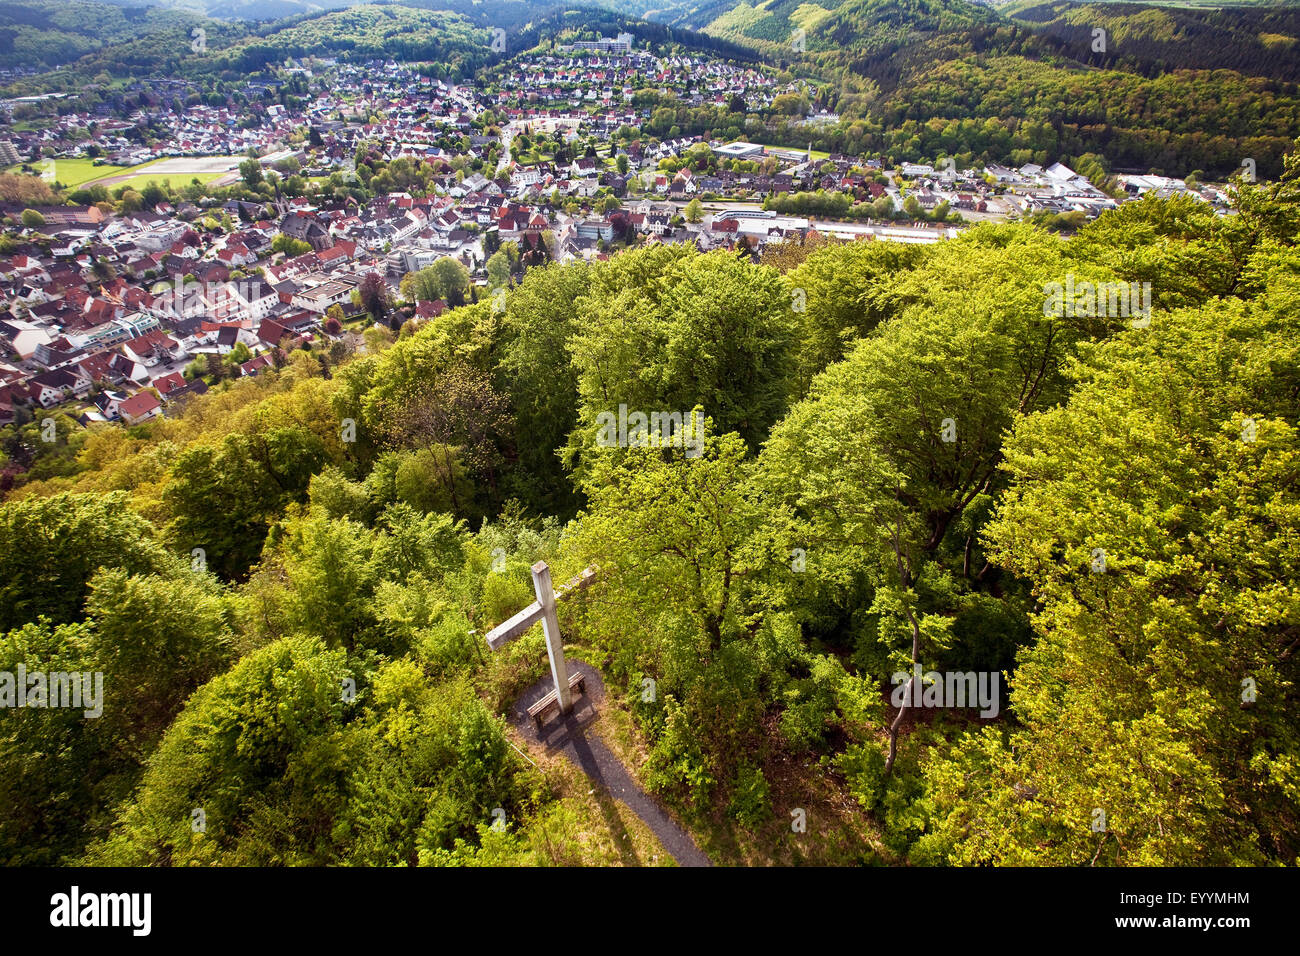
(140, 407)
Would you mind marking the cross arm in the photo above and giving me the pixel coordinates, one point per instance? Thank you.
(512, 628)
(576, 583)
(516, 625)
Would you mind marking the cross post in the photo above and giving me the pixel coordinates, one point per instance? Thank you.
(543, 609)
(551, 627)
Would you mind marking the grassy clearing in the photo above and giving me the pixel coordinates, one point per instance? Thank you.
(838, 831)
(145, 173)
(584, 826)
(817, 154)
(74, 172)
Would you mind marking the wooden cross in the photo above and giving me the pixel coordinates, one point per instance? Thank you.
(544, 609)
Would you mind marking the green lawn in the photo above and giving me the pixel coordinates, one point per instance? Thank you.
(74, 172)
(143, 177)
(817, 154)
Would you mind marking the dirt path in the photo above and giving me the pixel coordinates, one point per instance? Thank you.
(570, 737)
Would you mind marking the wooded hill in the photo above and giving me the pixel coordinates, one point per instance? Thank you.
(1174, 90)
(909, 462)
(140, 44)
(45, 33)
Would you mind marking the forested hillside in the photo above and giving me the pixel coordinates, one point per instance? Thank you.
(46, 33)
(163, 43)
(1257, 42)
(910, 462)
(1170, 89)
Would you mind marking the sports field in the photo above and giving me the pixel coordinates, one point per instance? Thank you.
(73, 172)
(179, 170)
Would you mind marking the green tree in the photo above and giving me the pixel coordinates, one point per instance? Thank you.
(1154, 515)
(887, 469)
(837, 295)
(291, 247)
(251, 172)
(223, 497)
(668, 532)
(498, 270)
(51, 548)
(60, 770)
(263, 742)
(238, 355)
(668, 329)
(452, 280)
(536, 372)
(159, 639)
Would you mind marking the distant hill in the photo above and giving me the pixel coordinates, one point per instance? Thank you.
(831, 26)
(367, 32)
(47, 33)
(243, 9)
(508, 14)
(1186, 4)
(1256, 41)
(106, 38)
(1173, 89)
(113, 36)
(949, 76)
(604, 20)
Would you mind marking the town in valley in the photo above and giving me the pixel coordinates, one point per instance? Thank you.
(154, 284)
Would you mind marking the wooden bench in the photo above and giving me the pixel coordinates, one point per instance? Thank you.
(551, 701)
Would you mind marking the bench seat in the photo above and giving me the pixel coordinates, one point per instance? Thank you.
(539, 710)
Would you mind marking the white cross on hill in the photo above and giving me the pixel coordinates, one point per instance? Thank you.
(544, 609)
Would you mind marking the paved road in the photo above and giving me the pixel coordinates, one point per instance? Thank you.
(569, 736)
(507, 137)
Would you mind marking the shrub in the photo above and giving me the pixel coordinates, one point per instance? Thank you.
(751, 802)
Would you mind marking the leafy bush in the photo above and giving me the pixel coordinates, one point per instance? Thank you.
(678, 766)
(863, 765)
(751, 802)
(808, 709)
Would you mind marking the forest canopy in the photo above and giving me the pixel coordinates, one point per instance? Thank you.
(908, 465)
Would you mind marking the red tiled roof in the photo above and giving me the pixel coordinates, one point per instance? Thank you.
(169, 383)
(141, 403)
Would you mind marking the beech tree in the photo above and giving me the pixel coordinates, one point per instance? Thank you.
(1155, 516)
(51, 548)
(884, 472)
(668, 330)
